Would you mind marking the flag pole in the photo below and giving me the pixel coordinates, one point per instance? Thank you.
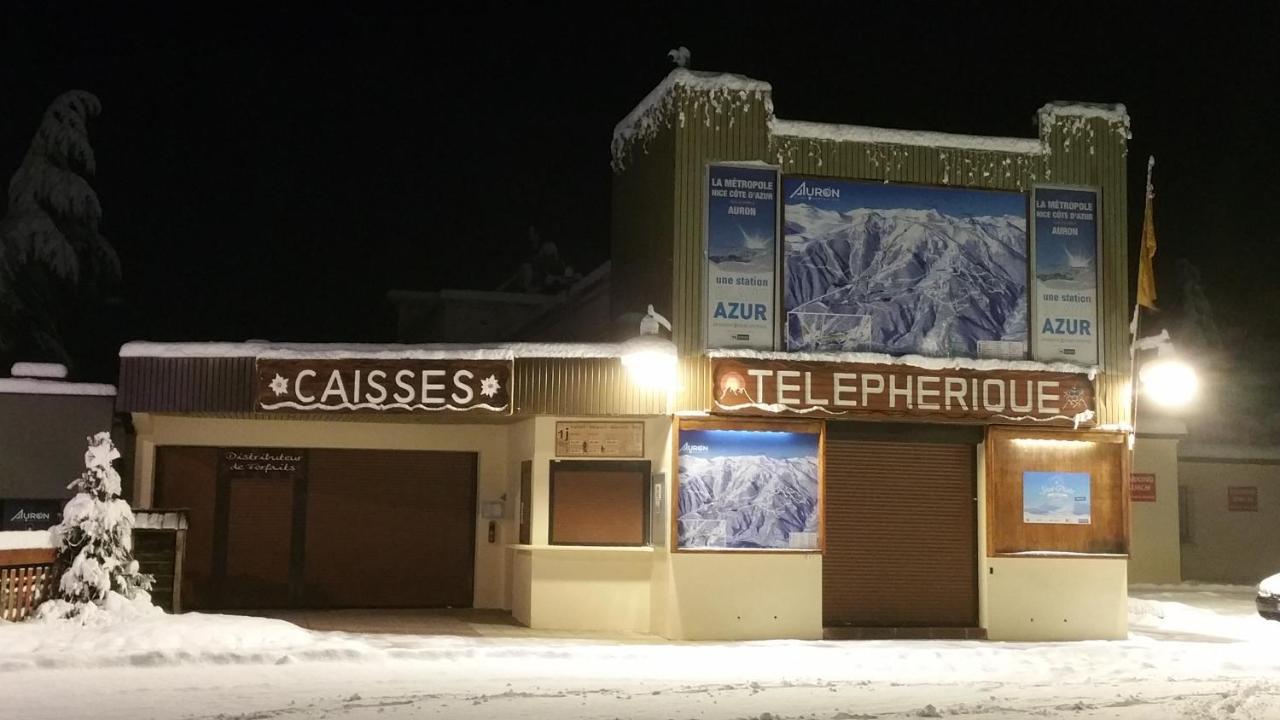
(1136, 323)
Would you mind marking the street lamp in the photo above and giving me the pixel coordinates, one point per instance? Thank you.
(649, 358)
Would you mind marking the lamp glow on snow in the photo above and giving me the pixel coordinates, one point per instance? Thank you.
(650, 359)
(1168, 380)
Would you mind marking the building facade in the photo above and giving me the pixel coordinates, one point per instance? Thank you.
(901, 362)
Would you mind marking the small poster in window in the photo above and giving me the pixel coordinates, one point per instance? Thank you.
(1056, 498)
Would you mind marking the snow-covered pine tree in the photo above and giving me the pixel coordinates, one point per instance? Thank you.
(95, 539)
(49, 239)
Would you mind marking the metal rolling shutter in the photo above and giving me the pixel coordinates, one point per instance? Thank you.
(186, 477)
(389, 529)
(901, 534)
(258, 543)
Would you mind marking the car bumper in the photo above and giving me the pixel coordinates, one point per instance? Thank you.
(1269, 607)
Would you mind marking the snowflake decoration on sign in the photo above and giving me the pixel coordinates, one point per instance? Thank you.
(1074, 397)
(490, 386)
(279, 385)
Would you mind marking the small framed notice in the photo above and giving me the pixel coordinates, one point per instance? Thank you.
(1142, 487)
(602, 439)
(1242, 498)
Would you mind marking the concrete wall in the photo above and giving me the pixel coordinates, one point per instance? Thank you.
(42, 441)
(1230, 547)
(489, 442)
(1057, 598)
(1154, 550)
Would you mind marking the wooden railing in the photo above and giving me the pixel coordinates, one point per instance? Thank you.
(26, 578)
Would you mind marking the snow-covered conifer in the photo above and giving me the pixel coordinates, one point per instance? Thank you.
(95, 539)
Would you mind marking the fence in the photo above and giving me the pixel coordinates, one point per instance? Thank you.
(26, 578)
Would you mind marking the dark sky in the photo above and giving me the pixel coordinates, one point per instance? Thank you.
(272, 173)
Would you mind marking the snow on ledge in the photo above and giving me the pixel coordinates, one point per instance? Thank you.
(370, 351)
(25, 540)
(38, 370)
(40, 386)
(1116, 112)
(919, 361)
(649, 115)
(919, 138)
(1062, 554)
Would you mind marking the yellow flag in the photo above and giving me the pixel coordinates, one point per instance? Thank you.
(1147, 251)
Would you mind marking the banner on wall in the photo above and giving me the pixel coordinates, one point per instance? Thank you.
(747, 490)
(904, 269)
(1064, 303)
(742, 240)
(1056, 498)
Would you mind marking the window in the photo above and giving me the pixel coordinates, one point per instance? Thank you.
(599, 503)
(1184, 514)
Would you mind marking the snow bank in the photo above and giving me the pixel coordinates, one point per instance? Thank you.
(40, 370)
(25, 540)
(1200, 612)
(370, 351)
(919, 361)
(41, 386)
(918, 138)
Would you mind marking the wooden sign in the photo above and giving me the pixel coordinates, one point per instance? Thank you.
(772, 388)
(265, 463)
(375, 385)
(600, 439)
(1142, 487)
(1242, 498)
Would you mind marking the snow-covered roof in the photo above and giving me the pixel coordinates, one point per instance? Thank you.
(919, 361)
(1113, 112)
(646, 118)
(42, 386)
(38, 369)
(370, 351)
(919, 138)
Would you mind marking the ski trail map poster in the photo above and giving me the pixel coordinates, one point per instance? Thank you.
(747, 490)
(904, 269)
(742, 256)
(1065, 260)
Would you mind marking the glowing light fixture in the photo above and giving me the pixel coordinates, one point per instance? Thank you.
(1168, 380)
(649, 358)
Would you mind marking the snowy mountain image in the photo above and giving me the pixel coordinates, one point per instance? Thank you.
(748, 501)
(1068, 270)
(864, 274)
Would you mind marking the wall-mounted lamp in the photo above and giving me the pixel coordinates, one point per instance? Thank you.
(649, 358)
(1168, 380)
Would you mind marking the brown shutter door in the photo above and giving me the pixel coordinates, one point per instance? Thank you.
(901, 534)
(186, 477)
(389, 529)
(259, 541)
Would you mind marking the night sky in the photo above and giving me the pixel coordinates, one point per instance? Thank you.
(272, 173)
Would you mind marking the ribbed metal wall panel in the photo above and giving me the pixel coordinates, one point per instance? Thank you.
(162, 384)
(580, 386)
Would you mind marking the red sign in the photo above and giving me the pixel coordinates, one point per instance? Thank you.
(1142, 487)
(1242, 498)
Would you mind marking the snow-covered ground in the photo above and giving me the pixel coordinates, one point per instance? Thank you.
(1195, 652)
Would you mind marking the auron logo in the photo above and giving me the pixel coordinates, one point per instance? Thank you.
(687, 448)
(24, 516)
(804, 191)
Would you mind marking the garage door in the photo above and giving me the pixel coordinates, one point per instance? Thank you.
(389, 529)
(360, 528)
(901, 533)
